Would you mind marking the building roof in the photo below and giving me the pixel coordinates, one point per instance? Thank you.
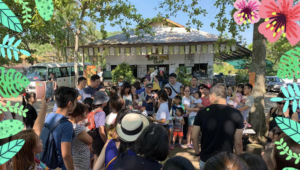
(163, 35)
(52, 65)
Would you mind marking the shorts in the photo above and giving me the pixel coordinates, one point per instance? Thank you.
(191, 120)
(180, 134)
(97, 146)
(171, 127)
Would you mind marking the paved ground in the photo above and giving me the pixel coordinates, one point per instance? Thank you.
(188, 153)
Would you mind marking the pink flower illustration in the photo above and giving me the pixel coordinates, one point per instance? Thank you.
(247, 11)
(280, 19)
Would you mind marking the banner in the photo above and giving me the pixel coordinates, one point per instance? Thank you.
(252, 78)
(187, 49)
(148, 50)
(111, 51)
(165, 49)
(117, 51)
(160, 50)
(193, 49)
(138, 50)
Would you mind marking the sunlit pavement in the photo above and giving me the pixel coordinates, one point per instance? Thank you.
(185, 152)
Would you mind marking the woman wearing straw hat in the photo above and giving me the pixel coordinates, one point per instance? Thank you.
(128, 127)
(151, 147)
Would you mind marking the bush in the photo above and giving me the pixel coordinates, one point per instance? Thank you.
(182, 77)
(122, 71)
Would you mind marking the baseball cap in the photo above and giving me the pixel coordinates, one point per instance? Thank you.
(149, 85)
(100, 97)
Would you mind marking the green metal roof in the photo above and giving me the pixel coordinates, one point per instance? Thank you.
(244, 64)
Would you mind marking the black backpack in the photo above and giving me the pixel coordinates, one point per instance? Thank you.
(49, 155)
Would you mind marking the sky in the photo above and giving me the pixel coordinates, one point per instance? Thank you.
(146, 9)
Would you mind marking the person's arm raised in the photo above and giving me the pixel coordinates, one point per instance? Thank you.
(39, 122)
(99, 165)
(238, 143)
(66, 152)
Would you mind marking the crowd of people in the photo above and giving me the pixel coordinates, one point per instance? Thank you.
(136, 126)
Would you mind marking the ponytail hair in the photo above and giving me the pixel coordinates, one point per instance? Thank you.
(26, 97)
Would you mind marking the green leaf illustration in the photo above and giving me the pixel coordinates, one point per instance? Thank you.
(15, 108)
(9, 47)
(45, 8)
(12, 83)
(10, 127)
(10, 149)
(293, 94)
(9, 19)
(289, 127)
(290, 168)
(289, 64)
(25, 11)
(287, 151)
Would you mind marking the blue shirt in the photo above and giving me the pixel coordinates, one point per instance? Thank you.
(62, 133)
(149, 106)
(139, 91)
(89, 92)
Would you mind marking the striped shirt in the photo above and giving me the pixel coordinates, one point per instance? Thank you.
(81, 151)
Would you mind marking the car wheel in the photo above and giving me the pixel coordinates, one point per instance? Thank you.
(269, 89)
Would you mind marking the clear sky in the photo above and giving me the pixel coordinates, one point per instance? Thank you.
(146, 8)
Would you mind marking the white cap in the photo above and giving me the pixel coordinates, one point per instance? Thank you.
(120, 84)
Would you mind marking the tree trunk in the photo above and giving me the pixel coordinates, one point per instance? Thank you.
(258, 65)
(76, 55)
(77, 44)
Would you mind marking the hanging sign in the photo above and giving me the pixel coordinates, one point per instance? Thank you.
(91, 51)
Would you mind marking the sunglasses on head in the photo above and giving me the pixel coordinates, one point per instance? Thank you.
(280, 103)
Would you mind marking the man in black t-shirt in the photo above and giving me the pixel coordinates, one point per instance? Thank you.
(220, 126)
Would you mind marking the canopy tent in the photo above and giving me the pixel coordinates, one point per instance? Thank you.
(244, 64)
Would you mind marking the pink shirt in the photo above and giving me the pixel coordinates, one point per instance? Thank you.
(205, 101)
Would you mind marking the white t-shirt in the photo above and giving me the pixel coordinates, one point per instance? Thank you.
(81, 94)
(128, 99)
(163, 113)
(247, 101)
(187, 101)
(196, 101)
(175, 87)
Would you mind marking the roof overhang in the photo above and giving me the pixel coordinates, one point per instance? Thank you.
(240, 53)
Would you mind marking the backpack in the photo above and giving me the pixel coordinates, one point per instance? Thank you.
(49, 155)
(92, 127)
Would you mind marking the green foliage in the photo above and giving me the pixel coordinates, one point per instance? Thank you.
(289, 64)
(12, 83)
(10, 149)
(242, 76)
(10, 127)
(122, 71)
(225, 68)
(9, 19)
(27, 17)
(7, 62)
(9, 46)
(15, 109)
(287, 151)
(182, 76)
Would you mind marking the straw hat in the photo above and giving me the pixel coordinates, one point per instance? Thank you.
(131, 126)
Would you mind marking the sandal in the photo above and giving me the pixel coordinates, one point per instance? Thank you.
(190, 146)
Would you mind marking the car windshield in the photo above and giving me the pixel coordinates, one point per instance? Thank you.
(37, 74)
(281, 80)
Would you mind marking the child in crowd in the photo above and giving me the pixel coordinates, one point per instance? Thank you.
(253, 161)
(178, 163)
(273, 135)
(143, 109)
(178, 127)
(198, 101)
(238, 95)
(82, 140)
(177, 103)
(25, 158)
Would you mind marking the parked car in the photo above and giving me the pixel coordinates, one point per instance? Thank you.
(274, 83)
(292, 85)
